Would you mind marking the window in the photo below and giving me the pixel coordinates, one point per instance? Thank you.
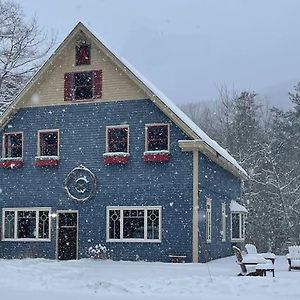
(13, 145)
(48, 143)
(208, 220)
(83, 85)
(83, 54)
(26, 224)
(157, 137)
(223, 220)
(117, 139)
(134, 224)
(237, 226)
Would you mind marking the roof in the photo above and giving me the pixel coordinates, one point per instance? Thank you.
(155, 95)
(236, 207)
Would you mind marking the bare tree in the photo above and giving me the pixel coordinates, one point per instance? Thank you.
(23, 47)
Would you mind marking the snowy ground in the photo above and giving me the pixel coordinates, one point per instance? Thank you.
(87, 279)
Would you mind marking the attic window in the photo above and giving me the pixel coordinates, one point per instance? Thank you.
(83, 54)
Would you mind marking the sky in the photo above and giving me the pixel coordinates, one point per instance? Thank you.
(190, 48)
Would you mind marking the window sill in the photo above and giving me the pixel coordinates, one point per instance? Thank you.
(156, 156)
(26, 240)
(113, 158)
(237, 240)
(132, 241)
(11, 163)
(46, 161)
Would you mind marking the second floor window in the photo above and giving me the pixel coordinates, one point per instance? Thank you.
(157, 137)
(48, 143)
(117, 139)
(13, 145)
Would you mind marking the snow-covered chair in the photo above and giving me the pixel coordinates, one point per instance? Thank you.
(251, 250)
(293, 257)
(252, 265)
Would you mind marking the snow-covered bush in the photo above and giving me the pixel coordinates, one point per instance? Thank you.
(99, 252)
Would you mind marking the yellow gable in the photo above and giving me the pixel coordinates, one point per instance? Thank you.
(49, 88)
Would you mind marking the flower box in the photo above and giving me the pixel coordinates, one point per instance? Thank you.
(156, 156)
(46, 161)
(114, 158)
(11, 163)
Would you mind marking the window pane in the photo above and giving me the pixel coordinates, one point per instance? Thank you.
(157, 137)
(13, 145)
(44, 224)
(26, 224)
(49, 144)
(133, 224)
(235, 218)
(153, 224)
(117, 139)
(114, 224)
(83, 85)
(9, 224)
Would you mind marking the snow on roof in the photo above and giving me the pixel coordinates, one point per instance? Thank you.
(236, 207)
(175, 109)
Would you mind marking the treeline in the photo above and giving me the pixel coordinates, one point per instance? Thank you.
(266, 142)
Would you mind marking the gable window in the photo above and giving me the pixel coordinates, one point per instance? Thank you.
(48, 148)
(134, 224)
(13, 145)
(223, 220)
(157, 142)
(208, 220)
(117, 144)
(28, 224)
(83, 54)
(237, 226)
(83, 85)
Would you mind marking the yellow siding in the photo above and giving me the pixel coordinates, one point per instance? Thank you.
(49, 90)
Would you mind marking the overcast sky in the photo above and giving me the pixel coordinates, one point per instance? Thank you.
(190, 47)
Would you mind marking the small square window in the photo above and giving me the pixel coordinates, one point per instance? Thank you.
(83, 55)
(117, 139)
(48, 143)
(13, 145)
(157, 137)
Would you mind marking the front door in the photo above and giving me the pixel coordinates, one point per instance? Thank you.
(67, 235)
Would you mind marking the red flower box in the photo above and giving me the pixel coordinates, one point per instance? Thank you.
(116, 159)
(156, 157)
(11, 163)
(46, 162)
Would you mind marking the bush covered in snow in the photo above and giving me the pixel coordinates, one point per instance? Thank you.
(99, 252)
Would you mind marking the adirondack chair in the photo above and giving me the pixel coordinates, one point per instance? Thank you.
(251, 250)
(248, 264)
(293, 257)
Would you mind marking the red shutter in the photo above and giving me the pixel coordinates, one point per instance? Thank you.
(97, 84)
(69, 86)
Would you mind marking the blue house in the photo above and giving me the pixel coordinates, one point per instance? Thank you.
(93, 153)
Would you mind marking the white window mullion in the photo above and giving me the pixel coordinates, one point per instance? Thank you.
(16, 225)
(121, 224)
(145, 223)
(37, 217)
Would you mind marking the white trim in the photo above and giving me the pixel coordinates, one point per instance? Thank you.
(17, 209)
(38, 141)
(3, 145)
(146, 136)
(223, 221)
(195, 220)
(242, 216)
(208, 220)
(57, 223)
(145, 209)
(106, 137)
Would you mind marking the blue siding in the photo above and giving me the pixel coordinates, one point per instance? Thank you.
(221, 186)
(82, 141)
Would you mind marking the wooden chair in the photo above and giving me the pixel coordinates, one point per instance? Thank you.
(239, 260)
(251, 250)
(293, 258)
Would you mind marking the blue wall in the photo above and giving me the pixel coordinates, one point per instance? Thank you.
(82, 141)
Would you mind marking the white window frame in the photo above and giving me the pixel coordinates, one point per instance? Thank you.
(106, 137)
(146, 136)
(39, 140)
(223, 221)
(3, 145)
(242, 226)
(16, 210)
(122, 208)
(208, 220)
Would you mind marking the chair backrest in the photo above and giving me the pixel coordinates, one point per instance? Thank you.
(239, 258)
(251, 249)
(294, 252)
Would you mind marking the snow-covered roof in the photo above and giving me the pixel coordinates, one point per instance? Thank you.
(236, 207)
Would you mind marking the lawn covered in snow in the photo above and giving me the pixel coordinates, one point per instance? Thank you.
(30, 279)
